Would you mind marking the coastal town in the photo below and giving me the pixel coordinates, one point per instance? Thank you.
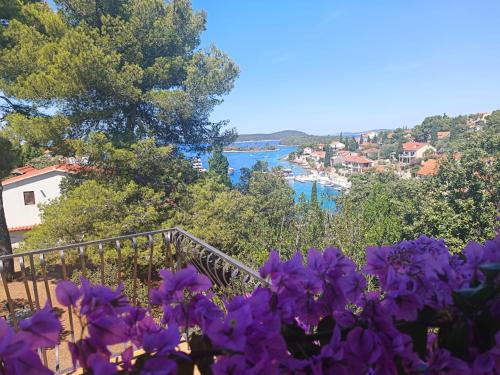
(405, 152)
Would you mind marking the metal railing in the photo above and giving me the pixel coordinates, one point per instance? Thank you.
(131, 259)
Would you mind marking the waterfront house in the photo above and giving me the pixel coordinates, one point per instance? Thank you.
(413, 151)
(356, 163)
(25, 191)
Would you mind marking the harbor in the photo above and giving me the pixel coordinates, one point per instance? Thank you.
(299, 177)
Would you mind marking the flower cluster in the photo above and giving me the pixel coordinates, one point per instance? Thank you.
(18, 350)
(430, 312)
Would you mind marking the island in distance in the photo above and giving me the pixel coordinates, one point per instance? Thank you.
(293, 137)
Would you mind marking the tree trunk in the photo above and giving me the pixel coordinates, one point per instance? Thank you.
(5, 245)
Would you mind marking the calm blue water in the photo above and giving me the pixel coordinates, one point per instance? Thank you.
(238, 160)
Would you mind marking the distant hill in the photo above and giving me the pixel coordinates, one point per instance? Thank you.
(271, 136)
(295, 137)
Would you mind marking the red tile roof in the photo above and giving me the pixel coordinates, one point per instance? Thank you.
(413, 146)
(21, 228)
(357, 159)
(28, 172)
(319, 154)
(428, 168)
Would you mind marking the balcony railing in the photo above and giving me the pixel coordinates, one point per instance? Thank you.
(132, 259)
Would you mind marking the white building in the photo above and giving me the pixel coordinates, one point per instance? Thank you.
(356, 163)
(413, 151)
(336, 146)
(23, 193)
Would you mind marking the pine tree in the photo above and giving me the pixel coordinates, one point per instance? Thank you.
(314, 195)
(218, 165)
(7, 161)
(328, 156)
(133, 69)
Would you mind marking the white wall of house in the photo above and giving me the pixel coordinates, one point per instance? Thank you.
(45, 188)
(419, 154)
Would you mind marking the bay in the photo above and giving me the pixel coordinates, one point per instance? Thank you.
(274, 158)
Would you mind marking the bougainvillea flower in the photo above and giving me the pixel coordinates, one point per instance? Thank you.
(42, 329)
(161, 342)
(67, 293)
(99, 300)
(100, 365)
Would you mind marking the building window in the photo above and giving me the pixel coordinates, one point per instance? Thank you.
(29, 198)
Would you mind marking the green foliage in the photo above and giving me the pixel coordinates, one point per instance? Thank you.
(314, 194)
(94, 210)
(9, 157)
(130, 68)
(218, 165)
(351, 144)
(459, 204)
(328, 155)
(427, 130)
(163, 169)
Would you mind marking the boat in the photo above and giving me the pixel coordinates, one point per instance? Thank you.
(196, 164)
(288, 174)
(230, 171)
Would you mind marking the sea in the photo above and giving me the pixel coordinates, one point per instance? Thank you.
(274, 158)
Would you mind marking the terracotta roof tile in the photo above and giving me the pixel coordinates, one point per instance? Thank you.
(32, 172)
(413, 146)
(428, 168)
(357, 159)
(21, 228)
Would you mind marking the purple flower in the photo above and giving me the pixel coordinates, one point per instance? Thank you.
(231, 333)
(16, 354)
(441, 362)
(41, 330)
(173, 285)
(108, 330)
(100, 365)
(99, 300)
(229, 365)
(127, 356)
(363, 343)
(414, 274)
(161, 342)
(10, 345)
(83, 349)
(483, 364)
(159, 366)
(67, 293)
(27, 363)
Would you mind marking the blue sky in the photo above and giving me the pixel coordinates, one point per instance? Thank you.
(326, 66)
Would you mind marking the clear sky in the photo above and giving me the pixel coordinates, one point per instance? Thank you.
(325, 66)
